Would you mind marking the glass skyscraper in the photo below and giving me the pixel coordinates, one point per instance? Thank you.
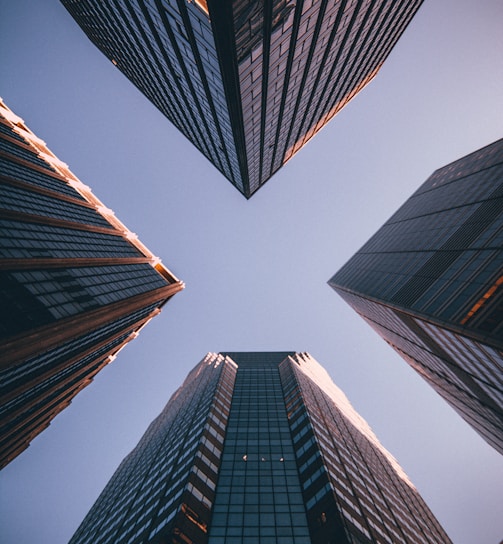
(75, 285)
(430, 283)
(259, 448)
(247, 82)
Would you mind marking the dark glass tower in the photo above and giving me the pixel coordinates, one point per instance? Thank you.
(75, 285)
(247, 82)
(259, 448)
(430, 283)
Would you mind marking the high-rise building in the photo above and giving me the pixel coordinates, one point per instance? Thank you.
(430, 283)
(259, 448)
(247, 82)
(75, 285)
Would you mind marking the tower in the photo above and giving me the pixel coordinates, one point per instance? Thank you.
(75, 285)
(430, 283)
(259, 447)
(248, 83)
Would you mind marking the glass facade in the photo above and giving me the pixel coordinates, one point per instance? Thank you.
(259, 448)
(429, 282)
(259, 496)
(164, 489)
(354, 490)
(75, 285)
(247, 82)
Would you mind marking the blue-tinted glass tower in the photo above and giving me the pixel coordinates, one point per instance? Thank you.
(259, 448)
(250, 82)
(430, 282)
(75, 285)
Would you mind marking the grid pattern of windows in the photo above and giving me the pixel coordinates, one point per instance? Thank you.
(49, 361)
(313, 59)
(61, 377)
(259, 448)
(7, 131)
(163, 490)
(35, 177)
(469, 380)
(249, 83)
(75, 285)
(22, 151)
(349, 479)
(430, 283)
(53, 393)
(168, 51)
(22, 200)
(20, 240)
(258, 497)
(36, 297)
(34, 391)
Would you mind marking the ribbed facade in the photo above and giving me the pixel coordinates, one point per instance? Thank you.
(430, 283)
(259, 448)
(247, 82)
(75, 285)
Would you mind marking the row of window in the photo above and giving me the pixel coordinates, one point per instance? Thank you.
(21, 200)
(24, 173)
(25, 153)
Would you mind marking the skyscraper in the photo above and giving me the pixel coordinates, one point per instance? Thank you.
(430, 283)
(247, 82)
(75, 285)
(259, 448)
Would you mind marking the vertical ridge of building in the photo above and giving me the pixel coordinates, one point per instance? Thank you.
(222, 25)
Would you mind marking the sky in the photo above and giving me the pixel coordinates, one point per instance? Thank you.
(256, 271)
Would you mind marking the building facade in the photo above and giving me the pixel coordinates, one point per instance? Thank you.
(259, 448)
(430, 283)
(75, 285)
(247, 82)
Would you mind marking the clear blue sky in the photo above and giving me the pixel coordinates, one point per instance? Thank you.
(256, 271)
